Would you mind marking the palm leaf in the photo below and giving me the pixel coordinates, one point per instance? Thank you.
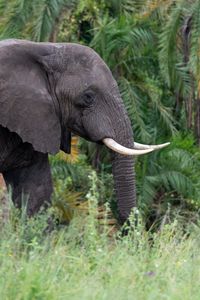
(168, 42)
(18, 13)
(48, 12)
(195, 40)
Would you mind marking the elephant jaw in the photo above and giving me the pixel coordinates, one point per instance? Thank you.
(139, 149)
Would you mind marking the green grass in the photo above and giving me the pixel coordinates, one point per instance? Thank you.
(79, 262)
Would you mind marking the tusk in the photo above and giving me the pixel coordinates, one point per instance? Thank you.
(154, 147)
(110, 143)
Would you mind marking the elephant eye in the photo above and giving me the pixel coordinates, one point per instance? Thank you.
(88, 98)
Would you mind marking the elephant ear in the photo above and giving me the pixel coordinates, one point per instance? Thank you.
(26, 105)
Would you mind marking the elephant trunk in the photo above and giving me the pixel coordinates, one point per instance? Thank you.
(124, 185)
(123, 168)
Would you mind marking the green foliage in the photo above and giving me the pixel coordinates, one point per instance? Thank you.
(170, 178)
(72, 184)
(81, 263)
(36, 20)
(168, 40)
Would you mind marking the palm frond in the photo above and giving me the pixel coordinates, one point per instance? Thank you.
(152, 89)
(48, 12)
(168, 42)
(119, 37)
(182, 160)
(18, 13)
(177, 181)
(195, 40)
(133, 104)
(151, 6)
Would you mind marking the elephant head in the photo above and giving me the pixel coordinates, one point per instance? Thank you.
(49, 90)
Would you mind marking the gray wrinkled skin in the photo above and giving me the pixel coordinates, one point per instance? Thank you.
(48, 91)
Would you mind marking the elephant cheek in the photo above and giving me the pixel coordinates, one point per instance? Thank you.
(97, 126)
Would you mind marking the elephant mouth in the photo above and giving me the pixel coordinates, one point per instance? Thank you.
(139, 149)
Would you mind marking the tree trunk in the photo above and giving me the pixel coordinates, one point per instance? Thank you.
(197, 118)
(190, 109)
(189, 103)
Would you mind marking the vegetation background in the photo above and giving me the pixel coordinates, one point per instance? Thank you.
(153, 50)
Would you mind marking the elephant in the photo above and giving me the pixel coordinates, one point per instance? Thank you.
(47, 92)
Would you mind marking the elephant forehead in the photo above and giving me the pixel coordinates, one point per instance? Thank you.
(97, 75)
(102, 72)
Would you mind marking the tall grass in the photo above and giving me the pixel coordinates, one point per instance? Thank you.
(80, 262)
